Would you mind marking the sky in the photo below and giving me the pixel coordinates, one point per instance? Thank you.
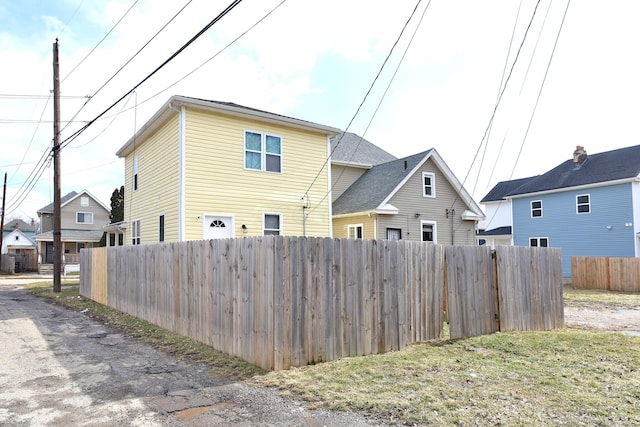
(502, 89)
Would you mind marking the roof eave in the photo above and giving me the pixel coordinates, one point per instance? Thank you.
(574, 188)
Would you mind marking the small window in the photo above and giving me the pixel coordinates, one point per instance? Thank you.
(272, 225)
(583, 204)
(394, 234)
(84, 201)
(540, 242)
(217, 223)
(262, 152)
(428, 231)
(428, 184)
(135, 232)
(536, 209)
(135, 173)
(161, 228)
(17, 238)
(354, 231)
(84, 218)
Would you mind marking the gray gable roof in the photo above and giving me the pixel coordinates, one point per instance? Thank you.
(348, 147)
(503, 188)
(63, 200)
(373, 187)
(614, 165)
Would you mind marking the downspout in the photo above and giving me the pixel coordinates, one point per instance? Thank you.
(181, 170)
(451, 212)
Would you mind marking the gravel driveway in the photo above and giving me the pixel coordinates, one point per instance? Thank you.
(61, 368)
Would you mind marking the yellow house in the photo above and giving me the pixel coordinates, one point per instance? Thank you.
(202, 169)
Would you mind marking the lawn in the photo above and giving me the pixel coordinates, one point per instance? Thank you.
(566, 376)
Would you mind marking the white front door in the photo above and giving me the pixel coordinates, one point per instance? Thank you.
(217, 227)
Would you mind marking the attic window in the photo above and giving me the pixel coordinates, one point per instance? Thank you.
(17, 238)
(428, 184)
(84, 201)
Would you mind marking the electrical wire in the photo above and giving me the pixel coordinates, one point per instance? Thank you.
(187, 44)
(365, 96)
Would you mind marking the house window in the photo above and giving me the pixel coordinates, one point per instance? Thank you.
(394, 234)
(428, 231)
(583, 204)
(272, 224)
(135, 173)
(541, 242)
(354, 231)
(84, 201)
(84, 218)
(428, 184)
(161, 228)
(536, 209)
(135, 232)
(262, 152)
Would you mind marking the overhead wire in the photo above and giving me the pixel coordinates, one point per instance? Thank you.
(365, 96)
(361, 137)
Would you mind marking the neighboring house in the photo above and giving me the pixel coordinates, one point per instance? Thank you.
(588, 206)
(82, 219)
(201, 169)
(414, 198)
(495, 229)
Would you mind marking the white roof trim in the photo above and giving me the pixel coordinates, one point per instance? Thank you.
(88, 194)
(351, 164)
(387, 209)
(471, 216)
(576, 188)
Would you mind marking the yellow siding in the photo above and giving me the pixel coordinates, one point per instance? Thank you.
(340, 226)
(158, 181)
(342, 177)
(217, 182)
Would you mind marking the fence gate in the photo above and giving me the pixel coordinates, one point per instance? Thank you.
(472, 298)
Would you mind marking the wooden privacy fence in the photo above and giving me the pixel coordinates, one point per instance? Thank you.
(606, 273)
(279, 301)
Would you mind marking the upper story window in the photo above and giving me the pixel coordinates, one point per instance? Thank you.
(354, 231)
(272, 225)
(262, 152)
(428, 184)
(135, 232)
(135, 173)
(84, 218)
(536, 209)
(542, 242)
(583, 204)
(84, 201)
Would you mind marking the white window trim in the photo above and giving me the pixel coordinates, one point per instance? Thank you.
(435, 230)
(263, 151)
(531, 208)
(281, 222)
(84, 213)
(355, 227)
(133, 229)
(582, 204)
(206, 223)
(538, 239)
(433, 184)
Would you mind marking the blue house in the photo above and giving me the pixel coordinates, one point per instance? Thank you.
(588, 206)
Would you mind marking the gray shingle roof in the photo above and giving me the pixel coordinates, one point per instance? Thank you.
(368, 192)
(498, 231)
(623, 163)
(355, 149)
(503, 188)
(63, 200)
(72, 235)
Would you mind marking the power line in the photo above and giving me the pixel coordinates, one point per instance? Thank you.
(366, 95)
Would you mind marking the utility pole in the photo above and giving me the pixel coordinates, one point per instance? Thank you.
(4, 196)
(57, 224)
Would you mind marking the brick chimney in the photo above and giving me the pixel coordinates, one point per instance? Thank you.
(579, 156)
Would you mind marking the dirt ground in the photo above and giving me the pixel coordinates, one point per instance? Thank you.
(61, 368)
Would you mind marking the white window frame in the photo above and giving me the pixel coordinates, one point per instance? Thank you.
(588, 204)
(352, 231)
(432, 186)
(399, 230)
(263, 151)
(264, 223)
(536, 209)
(537, 240)
(135, 232)
(90, 214)
(435, 231)
(84, 201)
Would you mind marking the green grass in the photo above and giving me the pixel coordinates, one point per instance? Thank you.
(629, 299)
(562, 377)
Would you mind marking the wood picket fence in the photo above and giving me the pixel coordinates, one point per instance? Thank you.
(280, 301)
(606, 273)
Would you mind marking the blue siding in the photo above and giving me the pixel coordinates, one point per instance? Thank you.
(579, 234)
